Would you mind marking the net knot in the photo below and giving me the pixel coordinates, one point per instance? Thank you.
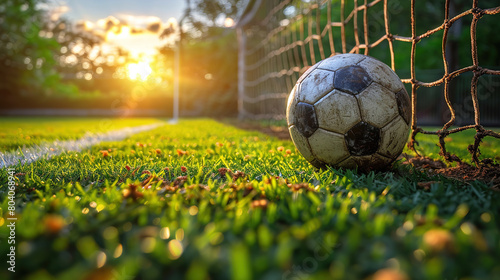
(447, 23)
(478, 12)
(479, 71)
(442, 133)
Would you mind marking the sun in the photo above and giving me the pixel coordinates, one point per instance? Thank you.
(139, 71)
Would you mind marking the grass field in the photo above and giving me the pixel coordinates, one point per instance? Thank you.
(205, 200)
(27, 131)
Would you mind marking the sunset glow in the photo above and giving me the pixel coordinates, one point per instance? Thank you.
(118, 33)
(139, 71)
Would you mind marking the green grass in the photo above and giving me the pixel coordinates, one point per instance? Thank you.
(158, 206)
(27, 131)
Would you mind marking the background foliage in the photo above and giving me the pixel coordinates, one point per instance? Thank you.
(26, 59)
(41, 68)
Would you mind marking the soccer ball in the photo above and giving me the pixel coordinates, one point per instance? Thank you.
(349, 111)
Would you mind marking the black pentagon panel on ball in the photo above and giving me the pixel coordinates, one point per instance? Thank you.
(305, 119)
(404, 106)
(352, 79)
(363, 139)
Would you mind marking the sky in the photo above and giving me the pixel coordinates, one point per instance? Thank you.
(132, 24)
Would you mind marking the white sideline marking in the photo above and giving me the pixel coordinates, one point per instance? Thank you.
(49, 149)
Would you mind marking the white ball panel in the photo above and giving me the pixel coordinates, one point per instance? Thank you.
(306, 73)
(290, 107)
(340, 60)
(363, 161)
(328, 147)
(337, 112)
(348, 163)
(379, 160)
(378, 105)
(366, 163)
(382, 74)
(316, 85)
(301, 143)
(394, 137)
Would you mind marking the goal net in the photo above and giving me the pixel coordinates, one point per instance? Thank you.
(446, 54)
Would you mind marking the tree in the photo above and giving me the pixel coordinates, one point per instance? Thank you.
(44, 56)
(81, 54)
(207, 14)
(26, 61)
